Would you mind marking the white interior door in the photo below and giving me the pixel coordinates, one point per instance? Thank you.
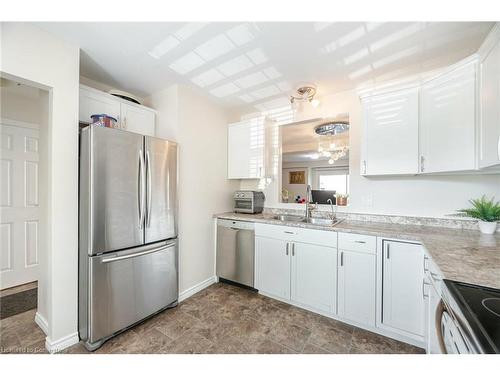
(19, 201)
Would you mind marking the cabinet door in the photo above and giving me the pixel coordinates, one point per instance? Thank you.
(314, 275)
(447, 127)
(356, 290)
(246, 149)
(391, 133)
(137, 120)
(92, 103)
(272, 269)
(403, 299)
(489, 126)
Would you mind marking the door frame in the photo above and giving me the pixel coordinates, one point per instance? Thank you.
(42, 226)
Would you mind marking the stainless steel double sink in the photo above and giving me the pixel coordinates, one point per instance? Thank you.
(311, 220)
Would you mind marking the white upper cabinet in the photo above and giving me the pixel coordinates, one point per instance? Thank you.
(403, 293)
(391, 133)
(489, 124)
(93, 102)
(448, 121)
(132, 117)
(137, 119)
(246, 149)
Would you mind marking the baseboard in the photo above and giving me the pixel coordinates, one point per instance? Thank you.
(62, 343)
(42, 323)
(198, 287)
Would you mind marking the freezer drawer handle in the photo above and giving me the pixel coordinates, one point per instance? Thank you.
(134, 255)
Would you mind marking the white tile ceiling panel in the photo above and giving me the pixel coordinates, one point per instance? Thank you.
(214, 58)
(215, 47)
(208, 78)
(189, 30)
(251, 80)
(187, 63)
(265, 92)
(240, 35)
(236, 65)
(225, 90)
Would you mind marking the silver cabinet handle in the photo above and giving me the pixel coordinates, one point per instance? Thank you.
(287, 232)
(424, 296)
(140, 189)
(149, 198)
(134, 255)
(341, 259)
(287, 246)
(293, 249)
(387, 251)
(360, 241)
(498, 148)
(422, 159)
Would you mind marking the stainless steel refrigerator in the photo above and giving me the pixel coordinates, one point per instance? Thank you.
(128, 250)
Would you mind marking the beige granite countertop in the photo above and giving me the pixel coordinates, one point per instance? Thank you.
(461, 255)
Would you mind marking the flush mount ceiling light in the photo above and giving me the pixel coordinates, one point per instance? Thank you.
(305, 93)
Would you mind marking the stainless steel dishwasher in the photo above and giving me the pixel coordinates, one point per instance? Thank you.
(236, 251)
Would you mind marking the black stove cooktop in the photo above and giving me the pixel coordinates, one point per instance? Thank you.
(481, 308)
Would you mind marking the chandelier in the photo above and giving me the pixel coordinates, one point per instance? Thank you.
(333, 140)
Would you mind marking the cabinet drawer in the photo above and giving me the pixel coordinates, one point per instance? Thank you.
(286, 233)
(358, 242)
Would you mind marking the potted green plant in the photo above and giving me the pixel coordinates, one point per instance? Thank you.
(487, 211)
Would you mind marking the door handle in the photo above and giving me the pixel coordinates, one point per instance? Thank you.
(135, 255)
(149, 198)
(438, 322)
(140, 188)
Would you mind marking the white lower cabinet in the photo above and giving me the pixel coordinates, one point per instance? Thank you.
(314, 276)
(377, 284)
(403, 292)
(304, 273)
(272, 271)
(356, 286)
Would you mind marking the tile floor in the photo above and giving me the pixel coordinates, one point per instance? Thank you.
(221, 319)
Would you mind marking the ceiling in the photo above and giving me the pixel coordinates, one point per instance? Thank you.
(254, 66)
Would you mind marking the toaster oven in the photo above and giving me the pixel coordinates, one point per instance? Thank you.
(249, 202)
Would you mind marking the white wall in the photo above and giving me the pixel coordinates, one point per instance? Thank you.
(41, 60)
(431, 196)
(200, 128)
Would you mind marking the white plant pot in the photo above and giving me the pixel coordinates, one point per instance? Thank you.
(487, 227)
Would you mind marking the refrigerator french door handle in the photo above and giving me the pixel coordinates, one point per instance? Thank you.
(140, 184)
(149, 200)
